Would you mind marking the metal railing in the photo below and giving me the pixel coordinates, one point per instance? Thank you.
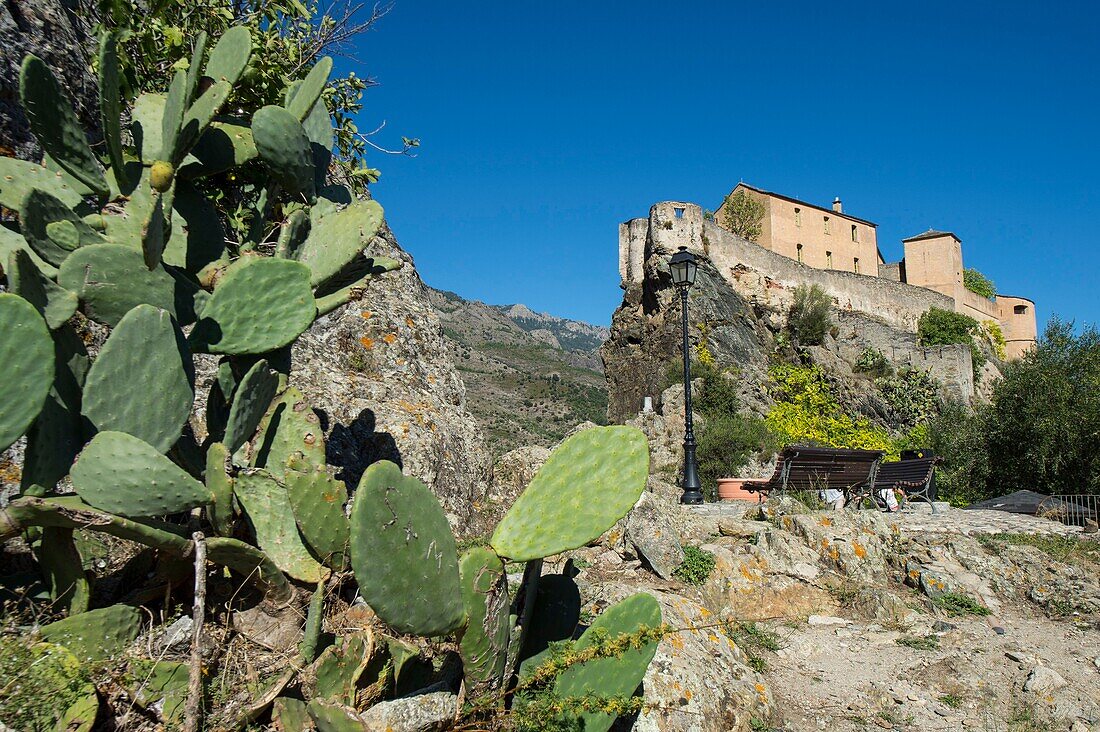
(1071, 509)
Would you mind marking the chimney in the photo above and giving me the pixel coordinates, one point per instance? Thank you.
(836, 205)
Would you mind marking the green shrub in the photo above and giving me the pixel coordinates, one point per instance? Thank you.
(725, 445)
(873, 361)
(743, 214)
(979, 284)
(939, 327)
(913, 395)
(957, 604)
(919, 642)
(696, 567)
(996, 337)
(810, 316)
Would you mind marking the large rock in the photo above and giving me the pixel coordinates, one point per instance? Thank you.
(432, 712)
(52, 31)
(510, 475)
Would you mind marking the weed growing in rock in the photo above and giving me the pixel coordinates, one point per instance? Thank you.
(753, 639)
(951, 700)
(696, 567)
(957, 604)
(919, 643)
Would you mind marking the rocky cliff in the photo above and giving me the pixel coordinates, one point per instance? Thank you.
(530, 377)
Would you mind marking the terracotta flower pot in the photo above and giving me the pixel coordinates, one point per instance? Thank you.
(732, 489)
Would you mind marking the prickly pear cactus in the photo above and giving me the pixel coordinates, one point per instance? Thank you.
(318, 502)
(96, 634)
(484, 643)
(250, 402)
(337, 238)
(55, 303)
(289, 430)
(284, 148)
(27, 365)
(338, 669)
(248, 561)
(268, 509)
(590, 481)
(402, 551)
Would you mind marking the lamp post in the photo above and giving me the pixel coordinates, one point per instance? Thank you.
(682, 266)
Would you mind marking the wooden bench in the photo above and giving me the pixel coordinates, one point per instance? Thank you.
(851, 472)
(912, 477)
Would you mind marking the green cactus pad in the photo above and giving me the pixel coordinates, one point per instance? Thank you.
(290, 715)
(292, 235)
(301, 99)
(95, 635)
(339, 667)
(285, 149)
(153, 235)
(20, 177)
(55, 125)
(147, 123)
(250, 562)
(121, 474)
(250, 402)
(52, 301)
(81, 714)
(145, 348)
(402, 551)
(12, 241)
(220, 510)
(332, 717)
(268, 509)
(590, 481)
(62, 567)
(110, 104)
(52, 229)
(198, 117)
(484, 643)
(111, 280)
(223, 146)
(230, 55)
(318, 502)
(336, 239)
(194, 68)
(198, 239)
(615, 676)
(172, 116)
(555, 615)
(164, 684)
(260, 304)
(289, 428)
(27, 366)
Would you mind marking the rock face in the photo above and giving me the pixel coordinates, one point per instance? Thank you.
(51, 31)
(379, 372)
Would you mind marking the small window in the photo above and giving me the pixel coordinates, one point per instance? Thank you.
(855, 236)
(826, 224)
(799, 253)
(1020, 310)
(855, 262)
(829, 259)
(798, 218)
(679, 212)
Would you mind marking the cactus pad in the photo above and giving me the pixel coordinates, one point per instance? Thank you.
(614, 676)
(290, 715)
(555, 615)
(172, 116)
(111, 280)
(198, 116)
(54, 123)
(268, 509)
(260, 304)
(230, 55)
(338, 669)
(53, 302)
(110, 104)
(221, 147)
(292, 235)
(318, 502)
(146, 122)
(402, 551)
(336, 239)
(147, 349)
(250, 402)
(301, 99)
(27, 365)
(20, 177)
(250, 562)
(52, 229)
(289, 428)
(95, 635)
(198, 239)
(284, 148)
(121, 474)
(590, 481)
(484, 643)
(220, 511)
(332, 717)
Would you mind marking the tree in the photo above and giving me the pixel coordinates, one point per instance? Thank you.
(742, 214)
(810, 319)
(979, 284)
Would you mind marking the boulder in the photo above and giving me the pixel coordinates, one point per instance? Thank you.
(651, 530)
(431, 712)
(509, 477)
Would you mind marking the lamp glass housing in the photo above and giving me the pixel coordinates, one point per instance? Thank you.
(682, 266)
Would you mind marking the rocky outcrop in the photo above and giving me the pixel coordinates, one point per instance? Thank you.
(52, 31)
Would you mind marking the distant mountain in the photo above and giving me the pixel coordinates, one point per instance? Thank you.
(530, 377)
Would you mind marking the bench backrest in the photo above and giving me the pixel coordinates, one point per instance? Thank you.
(912, 473)
(815, 468)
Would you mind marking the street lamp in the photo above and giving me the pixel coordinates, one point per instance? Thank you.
(682, 266)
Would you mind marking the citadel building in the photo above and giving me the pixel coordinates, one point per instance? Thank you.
(830, 239)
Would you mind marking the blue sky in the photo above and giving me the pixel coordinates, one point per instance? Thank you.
(544, 125)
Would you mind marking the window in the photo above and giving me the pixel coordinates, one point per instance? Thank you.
(1020, 310)
(855, 262)
(826, 224)
(829, 259)
(798, 218)
(799, 253)
(679, 212)
(855, 237)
